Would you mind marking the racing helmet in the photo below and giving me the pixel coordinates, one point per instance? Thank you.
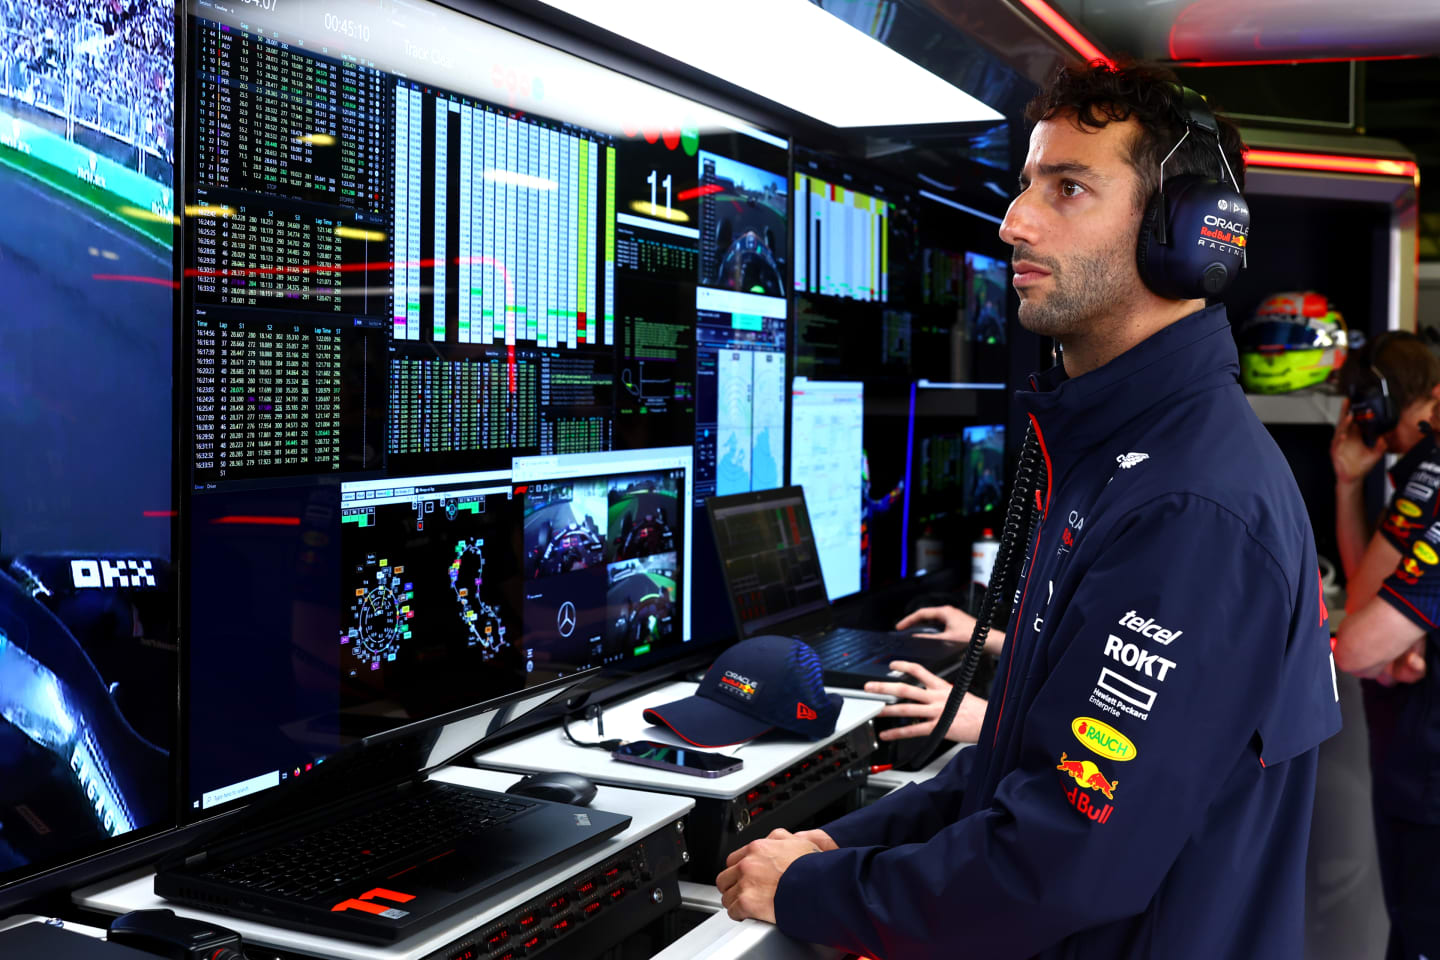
(1294, 341)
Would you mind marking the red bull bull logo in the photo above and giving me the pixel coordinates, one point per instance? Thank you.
(1401, 526)
(1085, 773)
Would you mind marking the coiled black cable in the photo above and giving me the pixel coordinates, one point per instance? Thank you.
(1020, 516)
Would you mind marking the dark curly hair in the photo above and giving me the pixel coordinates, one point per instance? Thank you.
(1410, 367)
(1100, 93)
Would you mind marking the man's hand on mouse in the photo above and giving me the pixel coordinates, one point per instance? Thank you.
(956, 626)
(924, 704)
(752, 874)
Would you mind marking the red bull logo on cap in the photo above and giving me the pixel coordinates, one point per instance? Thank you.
(1088, 776)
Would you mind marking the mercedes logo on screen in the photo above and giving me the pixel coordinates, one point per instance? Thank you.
(565, 619)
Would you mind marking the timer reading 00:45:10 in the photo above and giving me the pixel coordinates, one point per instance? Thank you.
(353, 29)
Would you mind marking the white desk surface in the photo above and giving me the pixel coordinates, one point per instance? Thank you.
(720, 938)
(649, 811)
(549, 750)
(895, 779)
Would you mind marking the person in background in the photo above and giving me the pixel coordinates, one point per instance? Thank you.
(1389, 633)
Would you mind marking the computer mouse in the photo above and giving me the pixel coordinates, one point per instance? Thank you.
(554, 785)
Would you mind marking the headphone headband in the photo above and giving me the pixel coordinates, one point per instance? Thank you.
(1197, 112)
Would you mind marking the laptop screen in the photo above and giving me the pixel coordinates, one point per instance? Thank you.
(771, 564)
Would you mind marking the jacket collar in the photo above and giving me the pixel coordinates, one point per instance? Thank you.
(1405, 466)
(1195, 353)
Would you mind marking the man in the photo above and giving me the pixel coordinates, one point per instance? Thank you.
(1393, 605)
(1143, 781)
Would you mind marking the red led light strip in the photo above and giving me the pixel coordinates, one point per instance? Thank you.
(261, 522)
(1065, 30)
(1289, 62)
(1376, 166)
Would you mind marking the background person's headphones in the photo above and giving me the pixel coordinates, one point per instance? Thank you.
(1371, 404)
(1194, 231)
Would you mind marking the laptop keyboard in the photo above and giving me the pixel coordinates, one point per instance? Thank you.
(845, 645)
(315, 864)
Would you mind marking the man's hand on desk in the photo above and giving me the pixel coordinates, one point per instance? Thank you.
(926, 704)
(752, 874)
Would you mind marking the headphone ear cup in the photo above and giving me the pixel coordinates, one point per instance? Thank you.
(1144, 256)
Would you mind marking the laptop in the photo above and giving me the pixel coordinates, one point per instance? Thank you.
(366, 847)
(776, 586)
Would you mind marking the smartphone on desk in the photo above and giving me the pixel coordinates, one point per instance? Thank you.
(662, 756)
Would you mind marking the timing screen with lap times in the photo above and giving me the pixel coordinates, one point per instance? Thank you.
(422, 254)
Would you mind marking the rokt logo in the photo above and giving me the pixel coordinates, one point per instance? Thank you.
(1137, 659)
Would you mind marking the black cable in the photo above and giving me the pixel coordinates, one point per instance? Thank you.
(592, 712)
(1004, 579)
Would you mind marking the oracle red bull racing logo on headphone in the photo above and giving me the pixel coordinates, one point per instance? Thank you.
(1220, 232)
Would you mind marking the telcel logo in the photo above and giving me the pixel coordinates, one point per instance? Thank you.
(1099, 737)
(1149, 629)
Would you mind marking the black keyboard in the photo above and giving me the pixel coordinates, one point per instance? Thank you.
(846, 645)
(313, 865)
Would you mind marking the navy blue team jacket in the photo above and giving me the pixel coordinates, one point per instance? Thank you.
(1405, 719)
(1143, 782)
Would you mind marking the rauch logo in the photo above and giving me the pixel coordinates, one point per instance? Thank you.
(1099, 737)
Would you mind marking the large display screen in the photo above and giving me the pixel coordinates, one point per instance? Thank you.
(741, 316)
(955, 472)
(856, 234)
(87, 633)
(607, 558)
(428, 254)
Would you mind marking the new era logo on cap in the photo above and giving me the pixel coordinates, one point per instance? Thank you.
(758, 685)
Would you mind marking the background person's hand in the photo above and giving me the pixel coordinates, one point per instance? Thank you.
(1409, 667)
(1351, 459)
(924, 705)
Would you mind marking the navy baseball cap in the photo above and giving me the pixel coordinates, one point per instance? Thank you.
(758, 685)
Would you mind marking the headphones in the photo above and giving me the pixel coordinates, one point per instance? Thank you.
(1371, 403)
(1194, 231)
